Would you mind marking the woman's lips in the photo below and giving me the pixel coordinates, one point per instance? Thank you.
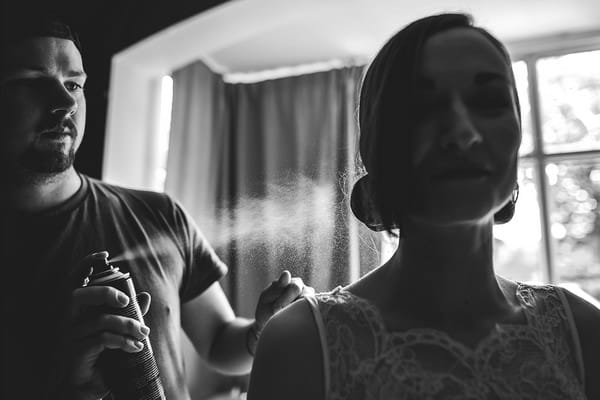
(461, 174)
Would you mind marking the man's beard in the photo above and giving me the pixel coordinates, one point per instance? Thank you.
(47, 161)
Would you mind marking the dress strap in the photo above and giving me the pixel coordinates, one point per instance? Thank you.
(574, 333)
(314, 307)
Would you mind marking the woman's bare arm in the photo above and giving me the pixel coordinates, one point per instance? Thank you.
(288, 363)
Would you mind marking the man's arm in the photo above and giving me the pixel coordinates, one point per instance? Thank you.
(227, 342)
(217, 334)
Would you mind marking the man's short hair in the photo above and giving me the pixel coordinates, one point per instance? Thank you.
(15, 28)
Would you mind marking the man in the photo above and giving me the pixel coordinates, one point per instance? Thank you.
(53, 218)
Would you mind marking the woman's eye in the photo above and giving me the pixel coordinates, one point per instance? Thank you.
(424, 107)
(490, 102)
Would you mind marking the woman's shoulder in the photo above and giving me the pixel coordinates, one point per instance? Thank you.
(293, 326)
(297, 317)
(586, 312)
(288, 355)
(587, 321)
(585, 308)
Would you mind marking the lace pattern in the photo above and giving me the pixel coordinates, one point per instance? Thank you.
(516, 362)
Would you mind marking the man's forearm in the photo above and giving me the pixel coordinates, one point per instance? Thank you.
(230, 351)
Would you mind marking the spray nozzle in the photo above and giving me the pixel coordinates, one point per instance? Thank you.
(100, 262)
(100, 267)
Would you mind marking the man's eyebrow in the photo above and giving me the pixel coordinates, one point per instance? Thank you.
(481, 78)
(32, 68)
(77, 73)
(74, 73)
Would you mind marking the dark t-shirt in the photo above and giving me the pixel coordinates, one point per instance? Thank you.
(148, 235)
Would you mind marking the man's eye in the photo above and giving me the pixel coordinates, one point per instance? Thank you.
(73, 86)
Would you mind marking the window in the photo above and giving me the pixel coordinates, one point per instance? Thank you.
(162, 137)
(555, 234)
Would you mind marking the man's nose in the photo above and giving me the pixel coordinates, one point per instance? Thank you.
(459, 133)
(62, 102)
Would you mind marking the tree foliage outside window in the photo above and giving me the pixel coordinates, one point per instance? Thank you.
(575, 223)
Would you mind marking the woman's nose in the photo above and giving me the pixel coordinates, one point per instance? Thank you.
(459, 133)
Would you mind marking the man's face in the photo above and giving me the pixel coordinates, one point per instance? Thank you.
(42, 106)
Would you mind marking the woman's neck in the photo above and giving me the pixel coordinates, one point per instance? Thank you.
(445, 275)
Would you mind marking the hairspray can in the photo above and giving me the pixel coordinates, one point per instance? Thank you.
(129, 376)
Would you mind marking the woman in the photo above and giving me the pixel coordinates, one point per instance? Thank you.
(440, 132)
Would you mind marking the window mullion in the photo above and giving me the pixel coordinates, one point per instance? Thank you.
(539, 160)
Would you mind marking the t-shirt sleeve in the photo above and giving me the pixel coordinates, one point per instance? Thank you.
(202, 266)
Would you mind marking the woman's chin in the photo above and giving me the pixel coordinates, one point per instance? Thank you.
(457, 216)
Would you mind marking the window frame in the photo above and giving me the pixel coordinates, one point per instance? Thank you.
(530, 52)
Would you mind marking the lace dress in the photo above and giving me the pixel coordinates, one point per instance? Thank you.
(363, 361)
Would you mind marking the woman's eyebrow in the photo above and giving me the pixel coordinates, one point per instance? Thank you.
(482, 78)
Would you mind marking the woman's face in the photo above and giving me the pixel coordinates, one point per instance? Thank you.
(466, 138)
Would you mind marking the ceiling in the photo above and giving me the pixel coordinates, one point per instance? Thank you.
(306, 31)
(247, 36)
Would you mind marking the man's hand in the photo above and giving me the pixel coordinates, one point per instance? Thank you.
(279, 294)
(89, 332)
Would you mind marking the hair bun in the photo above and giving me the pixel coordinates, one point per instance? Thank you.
(363, 207)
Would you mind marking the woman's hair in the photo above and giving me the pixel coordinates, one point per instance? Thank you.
(387, 114)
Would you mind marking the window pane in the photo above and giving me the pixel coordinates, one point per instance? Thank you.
(570, 101)
(574, 189)
(517, 244)
(520, 71)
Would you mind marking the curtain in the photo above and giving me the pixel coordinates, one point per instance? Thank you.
(293, 147)
(266, 169)
(196, 177)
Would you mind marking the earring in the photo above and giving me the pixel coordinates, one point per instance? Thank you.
(515, 194)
